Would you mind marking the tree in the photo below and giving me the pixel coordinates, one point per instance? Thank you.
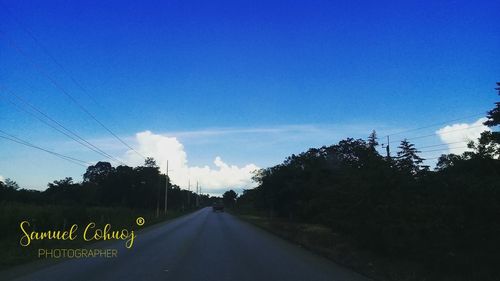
(150, 162)
(489, 142)
(97, 172)
(485, 147)
(68, 181)
(494, 114)
(372, 140)
(8, 189)
(63, 191)
(448, 160)
(407, 159)
(11, 185)
(229, 198)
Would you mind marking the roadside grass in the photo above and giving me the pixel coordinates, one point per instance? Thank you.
(60, 217)
(338, 248)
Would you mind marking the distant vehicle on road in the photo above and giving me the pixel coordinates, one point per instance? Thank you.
(218, 206)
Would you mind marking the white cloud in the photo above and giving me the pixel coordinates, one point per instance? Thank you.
(163, 148)
(461, 132)
(2, 178)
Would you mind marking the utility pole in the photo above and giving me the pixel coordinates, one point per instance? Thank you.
(387, 149)
(197, 200)
(158, 198)
(189, 194)
(166, 190)
(199, 191)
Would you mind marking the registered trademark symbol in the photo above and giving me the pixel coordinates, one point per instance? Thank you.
(140, 221)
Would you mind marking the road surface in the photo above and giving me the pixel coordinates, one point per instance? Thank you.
(201, 246)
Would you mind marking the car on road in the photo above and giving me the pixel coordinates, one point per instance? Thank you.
(218, 206)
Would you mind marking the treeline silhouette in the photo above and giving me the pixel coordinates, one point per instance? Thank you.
(447, 219)
(107, 194)
(142, 187)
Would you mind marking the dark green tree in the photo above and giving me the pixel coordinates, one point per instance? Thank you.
(229, 198)
(68, 181)
(488, 144)
(96, 173)
(494, 114)
(10, 184)
(448, 160)
(63, 191)
(407, 159)
(9, 189)
(373, 140)
(150, 162)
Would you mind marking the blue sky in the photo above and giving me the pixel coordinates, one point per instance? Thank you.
(277, 77)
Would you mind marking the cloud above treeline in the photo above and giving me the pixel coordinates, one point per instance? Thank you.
(213, 177)
(457, 135)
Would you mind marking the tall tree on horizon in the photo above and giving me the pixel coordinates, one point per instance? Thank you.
(494, 114)
(373, 140)
(150, 162)
(407, 159)
(488, 144)
(97, 172)
(229, 198)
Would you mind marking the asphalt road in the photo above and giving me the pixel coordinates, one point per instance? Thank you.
(201, 246)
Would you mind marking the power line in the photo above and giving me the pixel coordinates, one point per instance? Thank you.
(432, 158)
(444, 149)
(26, 143)
(48, 53)
(434, 134)
(67, 132)
(443, 133)
(84, 143)
(442, 144)
(435, 124)
(447, 132)
(40, 70)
